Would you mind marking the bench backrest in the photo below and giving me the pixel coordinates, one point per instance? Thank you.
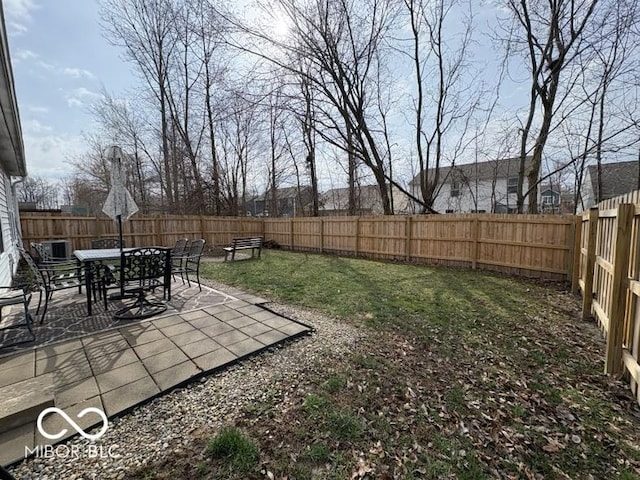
(247, 242)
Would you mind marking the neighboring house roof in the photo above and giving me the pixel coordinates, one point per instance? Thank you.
(617, 178)
(488, 170)
(289, 192)
(11, 146)
(367, 196)
(283, 193)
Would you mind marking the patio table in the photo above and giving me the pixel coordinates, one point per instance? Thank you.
(87, 257)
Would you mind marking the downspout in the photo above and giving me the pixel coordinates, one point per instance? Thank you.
(14, 197)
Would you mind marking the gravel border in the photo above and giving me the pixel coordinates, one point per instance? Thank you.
(168, 424)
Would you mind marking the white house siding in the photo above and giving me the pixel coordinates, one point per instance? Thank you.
(588, 196)
(482, 190)
(8, 226)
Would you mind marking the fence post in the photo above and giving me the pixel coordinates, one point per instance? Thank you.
(291, 226)
(321, 235)
(476, 243)
(202, 230)
(407, 231)
(577, 247)
(620, 282)
(157, 229)
(587, 295)
(357, 235)
(97, 233)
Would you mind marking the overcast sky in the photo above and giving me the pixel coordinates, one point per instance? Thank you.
(60, 63)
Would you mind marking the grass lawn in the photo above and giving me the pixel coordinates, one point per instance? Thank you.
(462, 374)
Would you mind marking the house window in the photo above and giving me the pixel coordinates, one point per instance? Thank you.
(455, 189)
(478, 211)
(547, 199)
(449, 211)
(512, 185)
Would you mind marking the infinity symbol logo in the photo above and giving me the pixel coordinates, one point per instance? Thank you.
(61, 433)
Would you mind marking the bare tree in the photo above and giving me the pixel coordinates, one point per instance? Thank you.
(38, 190)
(340, 40)
(122, 124)
(237, 133)
(454, 97)
(146, 31)
(549, 35)
(209, 29)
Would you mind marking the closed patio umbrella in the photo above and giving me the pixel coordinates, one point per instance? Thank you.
(120, 205)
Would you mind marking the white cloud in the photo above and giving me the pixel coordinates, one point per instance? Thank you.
(37, 109)
(18, 13)
(77, 73)
(25, 54)
(47, 154)
(45, 65)
(35, 127)
(81, 96)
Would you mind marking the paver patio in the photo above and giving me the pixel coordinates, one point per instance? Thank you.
(116, 368)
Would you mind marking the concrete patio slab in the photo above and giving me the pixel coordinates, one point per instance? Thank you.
(216, 359)
(17, 360)
(153, 348)
(271, 337)
(121, 376)
(255, 329)
(15, 441)
(201, 347)
(245, 347)
(123, 398)
(76, 392)
(165, 379)
(217, 328)
(118, 368)
(54, 423)
(15, 374)
(164, 360)
(23, 403)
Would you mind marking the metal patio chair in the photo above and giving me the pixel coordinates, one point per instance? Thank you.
(107, 242)
(191, 261)
(49, 278)
(178, 256)
(143, 270)
(16, 296)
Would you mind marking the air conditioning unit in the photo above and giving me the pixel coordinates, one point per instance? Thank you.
(58, 249)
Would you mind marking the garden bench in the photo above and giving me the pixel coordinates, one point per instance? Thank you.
(248, 243)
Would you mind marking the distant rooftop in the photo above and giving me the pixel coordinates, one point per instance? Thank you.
(617, 178)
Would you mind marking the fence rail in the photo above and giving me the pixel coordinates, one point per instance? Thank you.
(538, 246)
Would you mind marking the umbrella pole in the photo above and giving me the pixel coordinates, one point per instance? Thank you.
(119, 217)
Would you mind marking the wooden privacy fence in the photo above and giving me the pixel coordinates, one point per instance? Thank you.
(530, 245)
(539, 246)
(609, 280)
(139, 230)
